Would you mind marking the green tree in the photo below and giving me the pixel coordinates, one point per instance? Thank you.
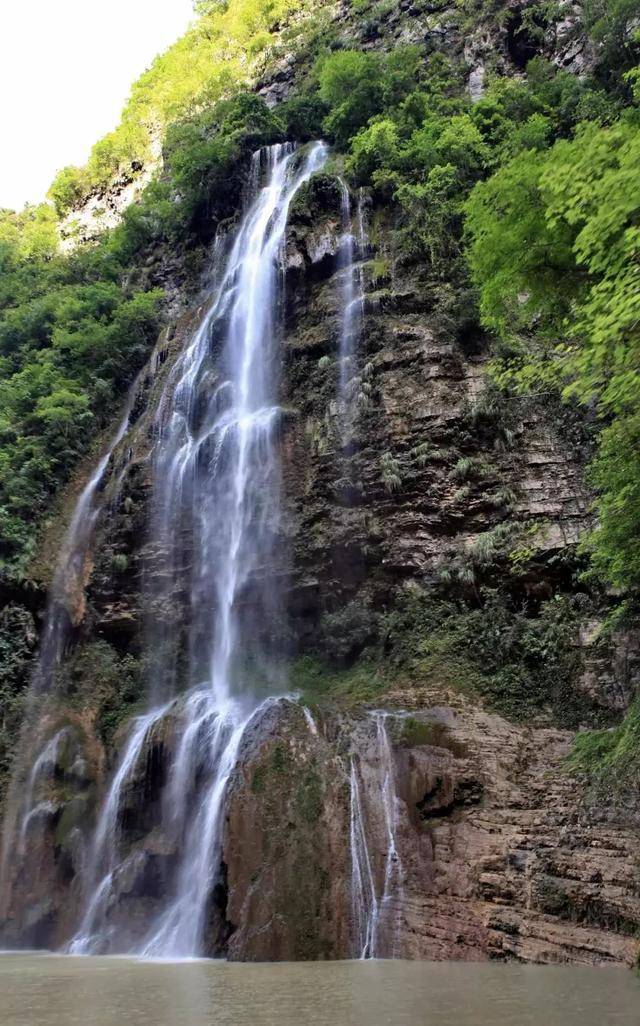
(351, 86)
(554, 247)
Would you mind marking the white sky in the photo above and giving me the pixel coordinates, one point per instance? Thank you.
(66, 67)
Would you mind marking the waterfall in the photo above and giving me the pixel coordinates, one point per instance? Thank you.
(393, 876)
(215, 524)
(364, 903)
(374, 887)
(178, 932)
(41, 771)
(352, 248)
(311, 723)
(104, 858)
(67, 580)
(71, 561)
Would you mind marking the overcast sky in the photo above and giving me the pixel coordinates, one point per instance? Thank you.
(66, 67)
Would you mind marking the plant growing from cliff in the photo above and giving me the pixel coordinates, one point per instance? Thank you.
(554, 251)
(390, 472)
(493, 544)
(422, 454)
(346, 632)
(320, 681)
(521, 660)
(18, 638)
(96, 675)
(610, 759)
(470, 468)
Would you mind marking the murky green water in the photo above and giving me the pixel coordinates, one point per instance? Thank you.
(42, 990)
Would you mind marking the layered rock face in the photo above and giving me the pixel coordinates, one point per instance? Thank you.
(496, 853)
(498, 856)
(467, 834)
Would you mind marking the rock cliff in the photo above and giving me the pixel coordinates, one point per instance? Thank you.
(440, 647)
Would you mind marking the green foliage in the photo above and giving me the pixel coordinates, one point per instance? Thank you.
(416, 139)
(66, 356)
(97, 675)
(411, 732)
(522, 661)
(615, 543)
(610, 758)
(553, 250)
(68, 189)
(205, 156)
(613, 25)
(390, 472)
(217, 55)
(347, 631)
(351, 86)
(318, 682)
(302, 116)
(29, 235)
(519, 260)
(18, 638)
(520, 657)
(469, 468)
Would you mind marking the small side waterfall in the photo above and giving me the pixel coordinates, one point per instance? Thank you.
(376, 882)
(68, 581)
(71, 562)
(352, 249)
(216, 512)
(41, 771)
(104, 860)
(364, 902)
(393, 875)
(311, 723)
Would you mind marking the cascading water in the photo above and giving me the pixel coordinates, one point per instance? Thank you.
(374, 887)
(364, 902)
(71, 562)
(393, 876)
(41, 771)
(216, 509)
(104, 861)
(67, 582)
(352, 248)
(311, 723)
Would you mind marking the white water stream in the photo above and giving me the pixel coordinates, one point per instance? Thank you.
(352, 250)
(67, 581)
(216, 512)
(374, 890)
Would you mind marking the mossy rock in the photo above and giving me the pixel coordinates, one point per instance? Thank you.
(74, 816)
(321, 195)
(410, 732)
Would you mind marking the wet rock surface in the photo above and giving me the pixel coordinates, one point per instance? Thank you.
(500, 855)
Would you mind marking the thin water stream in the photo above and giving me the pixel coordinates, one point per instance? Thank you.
(374, 894)
(352, 248)
(55, 991)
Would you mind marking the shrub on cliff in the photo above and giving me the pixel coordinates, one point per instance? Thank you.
(214, 57)
(554, 252)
